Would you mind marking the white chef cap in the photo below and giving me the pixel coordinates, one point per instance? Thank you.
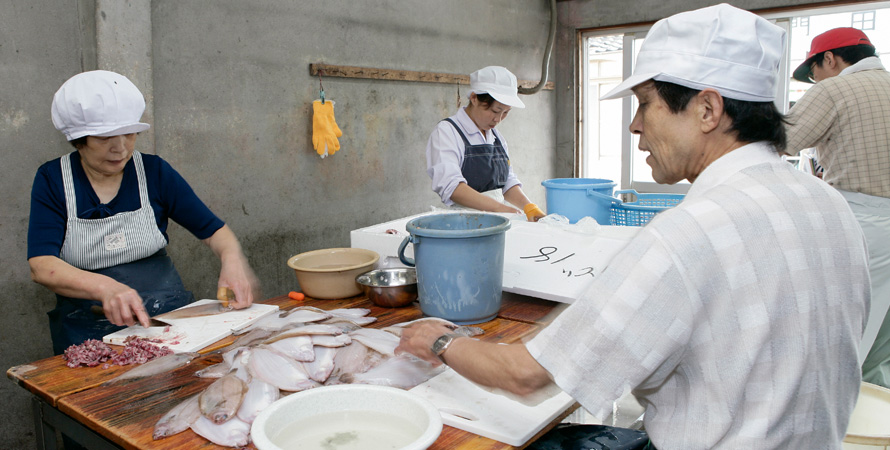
(98, 103)
(720, 47)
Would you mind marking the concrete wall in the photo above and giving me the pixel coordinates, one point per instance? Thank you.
(229, 97)
(42, 42)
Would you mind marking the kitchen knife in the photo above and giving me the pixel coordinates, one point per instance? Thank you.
(99, 311)
(206, 309)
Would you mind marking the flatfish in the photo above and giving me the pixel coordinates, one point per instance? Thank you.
(221, 400)
(402, 371)
(259, 395)
(279, 370)
(231, 433)
(178, 419)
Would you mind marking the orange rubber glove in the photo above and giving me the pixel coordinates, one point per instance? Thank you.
(324, 128)
(533, 212)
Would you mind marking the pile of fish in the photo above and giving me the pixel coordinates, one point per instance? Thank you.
(297, 350)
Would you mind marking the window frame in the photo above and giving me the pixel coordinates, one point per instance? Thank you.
(863, 20)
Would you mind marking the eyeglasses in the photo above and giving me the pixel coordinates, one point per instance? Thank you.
(810, 75)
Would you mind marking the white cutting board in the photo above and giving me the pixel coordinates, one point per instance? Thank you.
(195, 333)
(470, 407)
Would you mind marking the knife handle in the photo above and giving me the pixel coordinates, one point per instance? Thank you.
(225, 295)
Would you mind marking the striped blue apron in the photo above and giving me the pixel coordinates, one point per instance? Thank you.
(127, 247)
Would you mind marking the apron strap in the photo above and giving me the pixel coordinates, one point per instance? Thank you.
(140, 178)
(68, 183)
(459, 131)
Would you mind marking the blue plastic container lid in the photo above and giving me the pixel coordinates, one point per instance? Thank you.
(578, 183)
(458, 225)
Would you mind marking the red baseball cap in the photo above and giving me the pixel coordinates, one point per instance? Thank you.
(829, 40)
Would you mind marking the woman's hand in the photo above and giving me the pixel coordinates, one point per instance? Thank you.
(468, 197)
(237, 275)
(121, 304)
(515, 196)
(533, 212)
(235, 272)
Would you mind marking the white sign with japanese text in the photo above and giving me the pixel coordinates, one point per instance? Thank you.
(554, 263)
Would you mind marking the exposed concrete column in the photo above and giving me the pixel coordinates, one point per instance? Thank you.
(123, 45)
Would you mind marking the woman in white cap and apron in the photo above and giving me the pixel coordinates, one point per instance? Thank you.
(99, 215)
(468, 160)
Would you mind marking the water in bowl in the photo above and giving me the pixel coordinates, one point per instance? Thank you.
(348, 430)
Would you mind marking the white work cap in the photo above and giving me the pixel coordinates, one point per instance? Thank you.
(497, 82)
(98, 103)
(720, 47)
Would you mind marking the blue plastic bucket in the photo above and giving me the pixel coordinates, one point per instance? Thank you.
(460, 264)
(577, 198)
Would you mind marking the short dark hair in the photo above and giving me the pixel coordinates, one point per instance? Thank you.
(79, 142)
(751, 121)
(485, 99)
(851, 54)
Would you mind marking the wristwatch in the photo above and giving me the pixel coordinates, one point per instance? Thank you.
(441, 344)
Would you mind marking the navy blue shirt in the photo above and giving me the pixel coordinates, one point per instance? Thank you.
(170, 195)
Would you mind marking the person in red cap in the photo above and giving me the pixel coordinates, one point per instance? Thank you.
(845, 118)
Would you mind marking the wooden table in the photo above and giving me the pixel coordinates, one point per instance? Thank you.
(123, 416)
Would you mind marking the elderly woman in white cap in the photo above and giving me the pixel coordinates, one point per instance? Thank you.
(468, 160)
(733, 317)
(99, 215)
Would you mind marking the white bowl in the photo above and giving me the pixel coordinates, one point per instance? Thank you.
(347, 417)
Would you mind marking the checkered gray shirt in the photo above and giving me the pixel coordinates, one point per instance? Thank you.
(735, 316)
(847, 119)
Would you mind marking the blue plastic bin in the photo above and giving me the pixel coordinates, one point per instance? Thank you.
(640, 212)
(576, 198)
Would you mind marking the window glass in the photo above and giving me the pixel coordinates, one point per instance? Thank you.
(603, 153)
(864, 20)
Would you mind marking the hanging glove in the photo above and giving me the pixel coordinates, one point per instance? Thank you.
(324, 128)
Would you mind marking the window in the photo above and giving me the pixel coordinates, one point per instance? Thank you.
(604, 73)
(803, 23)
(609, 150)
(864, 20)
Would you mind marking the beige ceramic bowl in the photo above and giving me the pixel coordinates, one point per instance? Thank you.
(330, 273)
(869, 428)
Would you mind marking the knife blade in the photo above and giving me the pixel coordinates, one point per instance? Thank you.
(186, 312)
(99, 311)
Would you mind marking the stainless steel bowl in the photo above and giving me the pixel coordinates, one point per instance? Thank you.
(390, 288)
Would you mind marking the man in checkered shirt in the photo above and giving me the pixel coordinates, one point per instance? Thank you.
(733, 317)
(846, 117)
